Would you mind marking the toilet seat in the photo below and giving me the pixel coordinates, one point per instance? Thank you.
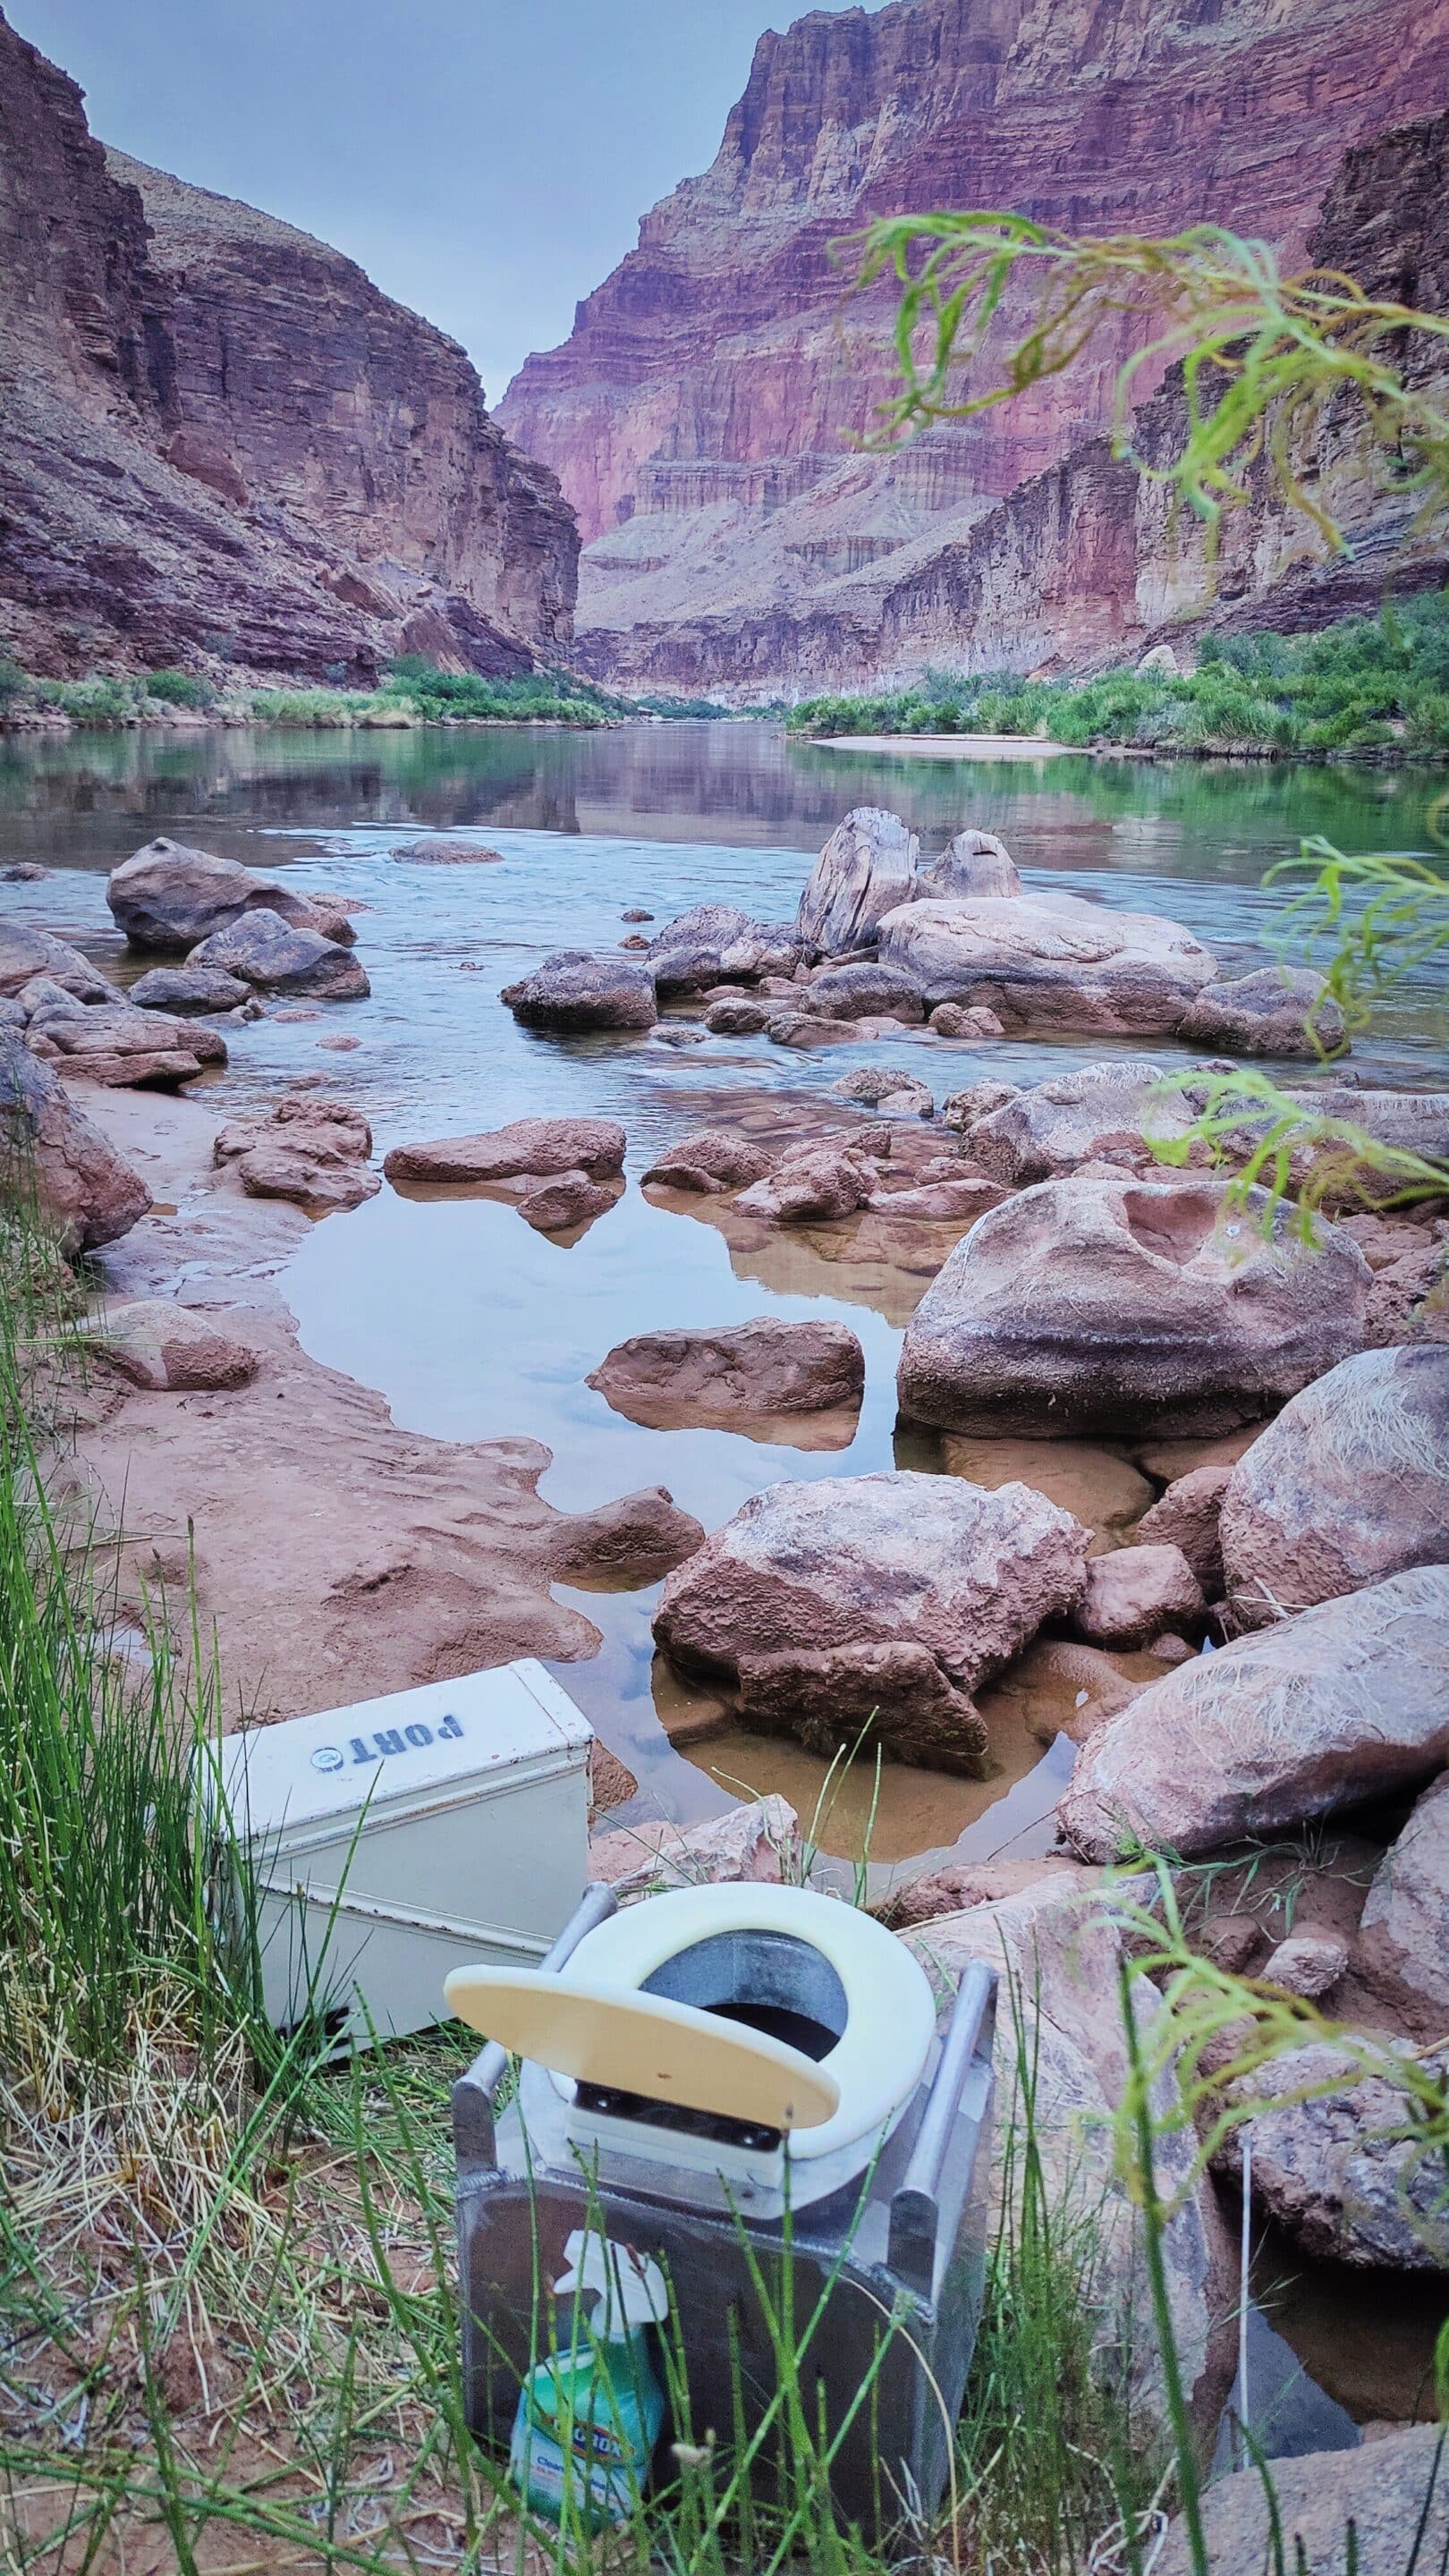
(890, 2009)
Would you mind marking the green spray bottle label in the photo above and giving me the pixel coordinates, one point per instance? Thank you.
(588, 2418)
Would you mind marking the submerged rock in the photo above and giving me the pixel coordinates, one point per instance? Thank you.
(864, 1699)
(541, 1145)
(263, 950)
(1350, 1484)
(575, 991)
(1103, 1305)
(1051, 962)
(866, 869)
(876, 1560)
(449, 850)
(1321, 1713)
(873, 1084)
(81, 1185)
(715, 1374)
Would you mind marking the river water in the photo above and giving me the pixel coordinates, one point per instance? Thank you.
(474, 1326)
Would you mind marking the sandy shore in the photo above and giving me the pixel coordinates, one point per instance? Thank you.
(946, 746)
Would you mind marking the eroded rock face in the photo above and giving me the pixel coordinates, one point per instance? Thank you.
(699, 1373)
(866, 868)
(184, 989)
(861, 1699)
(542, 1145)
(1134, 1593)
(972, 865)
(1101, 1305)
(262, 950)
(1045, 1134)
(24, 954)
(1402, 1949)
(1273, 1012)
(312, 1151)
(1348, 1485)
(154, 1342)
(575, 991)
(1319, 1714)
(84, 1188)
(712, 1161)
(1051, 963)
(170, 896)
(878, 1560)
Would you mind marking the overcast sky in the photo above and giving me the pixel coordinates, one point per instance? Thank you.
(487, 161)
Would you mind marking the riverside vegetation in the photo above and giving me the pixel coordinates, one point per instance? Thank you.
(412, 693)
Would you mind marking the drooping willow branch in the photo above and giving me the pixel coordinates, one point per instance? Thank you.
(1261, 354)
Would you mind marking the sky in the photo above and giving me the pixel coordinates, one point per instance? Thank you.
(486, 161)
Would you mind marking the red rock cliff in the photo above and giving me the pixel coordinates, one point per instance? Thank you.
(699, 416)
(222, 440)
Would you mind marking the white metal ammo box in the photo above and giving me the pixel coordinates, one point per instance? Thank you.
(389, 1842)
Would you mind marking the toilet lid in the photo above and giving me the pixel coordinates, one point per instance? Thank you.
(644, 2044)
(881, 2055)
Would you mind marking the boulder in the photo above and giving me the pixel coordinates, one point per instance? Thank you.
(1344, 1704)
(541, 1145)
(736, 1019)
(716, 942)
(862, 991)
(1336, 2171)
(865, 1699)
(1053, 962)
(24, 954)
(121, 1045)
(759, 1845)
(564, 1201)
(882, 1560)
(309, 1150)
(1134, 1593)
(1060, 1955)
(1090, 1306)
(1409, 1300)
(448, 850)
(711, 1162)
(1277, 1011)
(1186, 1517)
(185, 989)
(169, 896)
(263, 950)
(640, 1535)
(1402, 1948)
(866, 869)
(157, 1343)
(953, 1020)
(1045, 1133)
(1350, 1484)
(81, 1185)
(574, 991)
(871, 1084)
(1391, 2493)
(972, 865)
(811, 1184)
(704, 1374)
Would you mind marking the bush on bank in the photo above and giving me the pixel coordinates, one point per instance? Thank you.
(1366, 685)
(413, 693)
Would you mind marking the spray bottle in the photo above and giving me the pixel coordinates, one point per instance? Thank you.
(588, 2418)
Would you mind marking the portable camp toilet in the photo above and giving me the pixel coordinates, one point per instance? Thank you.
(386, 1843)
(750, 2089)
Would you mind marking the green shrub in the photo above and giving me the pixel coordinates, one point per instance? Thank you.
(180, 689)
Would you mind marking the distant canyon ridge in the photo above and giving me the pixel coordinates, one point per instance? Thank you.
(704, 416)
(222, 443)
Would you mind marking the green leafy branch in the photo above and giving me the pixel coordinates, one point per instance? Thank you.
(1276, 1142)
(1261, 354)
(1400, 927)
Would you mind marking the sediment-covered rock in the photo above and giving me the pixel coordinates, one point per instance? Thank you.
(541, 1145)
(262, 950)
(1336, 2171)
(1100, 1305)
(863, 1699)
(642, 1534)
(1276, 1011)
(50, 1152)
(865, 870)
(1348, 1485)
(157, 1343)
(758, 1844)
(1051, 962)
(574, 991)
(1318, 1714)
(876, 1560)
(700, 1373)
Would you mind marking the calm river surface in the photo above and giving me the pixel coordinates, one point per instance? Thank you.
(472, 1325)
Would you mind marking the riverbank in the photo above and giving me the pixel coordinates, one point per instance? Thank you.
(412, 695)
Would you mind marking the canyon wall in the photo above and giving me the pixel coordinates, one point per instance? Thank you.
(701, 415)
(224, 444)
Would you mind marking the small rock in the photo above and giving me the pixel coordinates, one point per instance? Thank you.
(711, 1162)
(24, 954)
(973, 864)
(810, 1184)
(264, 950)
(965, 1883)
(568, 1199)
(758, 1846)
(154, 1342)
(340, 1046)
(942, 1202)
(715, 1374)
(865, 1698)
(1308, 1964)
(1277, 1011)
(311, 1151)
(1171, 1650)
(636, 914)
(187, 988)
(540, 1145)
(955, 1020)
(736, 1019)
(1135, 1592)
(440, 850)
(634, 942)
(573, 991)
(1186, 1516)
(23, 872)
(873, 1083)
(863, 991)
(807, 1029)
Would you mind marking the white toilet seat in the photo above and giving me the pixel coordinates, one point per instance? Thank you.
(890, 2009)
